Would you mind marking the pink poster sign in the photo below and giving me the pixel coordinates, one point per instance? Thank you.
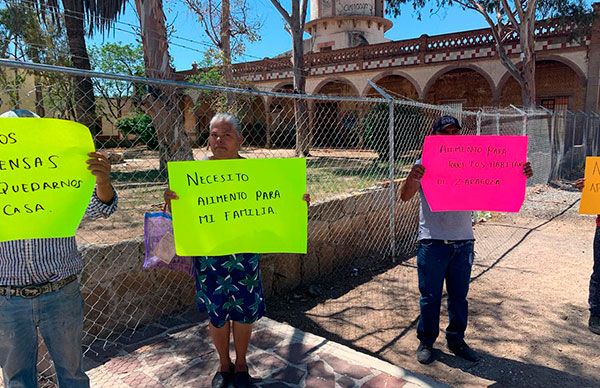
(465, 173)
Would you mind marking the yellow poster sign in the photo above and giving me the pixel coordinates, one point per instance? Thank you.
(239, 206)
(45, 185)
(590, 197)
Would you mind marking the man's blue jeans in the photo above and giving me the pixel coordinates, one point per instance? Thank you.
(438, 261)
(594, 299)
(59, 317)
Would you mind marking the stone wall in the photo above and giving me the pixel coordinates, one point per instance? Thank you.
(342, 231)
(121, 295)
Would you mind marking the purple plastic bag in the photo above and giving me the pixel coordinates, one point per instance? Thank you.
(156, 226)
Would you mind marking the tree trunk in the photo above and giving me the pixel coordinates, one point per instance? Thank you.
(527, 41)
(300, 106)
(226, 41)
(16, 97)
(528, 90)
(226, 48)
(162, 103)
(85, 102)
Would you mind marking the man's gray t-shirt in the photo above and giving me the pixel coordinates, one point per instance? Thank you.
(443, 225)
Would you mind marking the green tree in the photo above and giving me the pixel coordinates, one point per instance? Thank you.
(140, 125)
(23, 38)
(211, 70)
(31, 34)
(117, 58)
(510, 19)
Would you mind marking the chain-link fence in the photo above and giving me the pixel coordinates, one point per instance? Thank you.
(357, 149)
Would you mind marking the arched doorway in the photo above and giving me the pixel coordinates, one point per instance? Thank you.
(557, 87)
(335, 122)
(250, 110)
(461, 88)
(282, 127)
(396, 85)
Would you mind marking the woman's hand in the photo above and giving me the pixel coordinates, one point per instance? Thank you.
(169, 196)
(579, 183)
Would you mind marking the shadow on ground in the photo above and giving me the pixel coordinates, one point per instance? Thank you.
(527, 307)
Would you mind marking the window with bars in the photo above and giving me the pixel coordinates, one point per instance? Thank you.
(556, 103)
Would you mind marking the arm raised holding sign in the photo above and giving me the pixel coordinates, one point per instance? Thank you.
(445, 253)
(99, 165)
(412, 183)
(41, 273)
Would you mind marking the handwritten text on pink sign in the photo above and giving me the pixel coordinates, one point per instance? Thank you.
(474, 172)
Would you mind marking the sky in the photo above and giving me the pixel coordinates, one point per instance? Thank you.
(189, 43)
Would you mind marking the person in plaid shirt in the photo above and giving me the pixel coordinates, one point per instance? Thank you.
(39, 290)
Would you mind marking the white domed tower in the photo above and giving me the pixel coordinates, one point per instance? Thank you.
(338, 24)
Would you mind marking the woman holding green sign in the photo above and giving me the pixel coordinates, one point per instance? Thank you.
(229, 287)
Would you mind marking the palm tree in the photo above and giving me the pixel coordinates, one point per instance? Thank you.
(99, 15)
(162, 103)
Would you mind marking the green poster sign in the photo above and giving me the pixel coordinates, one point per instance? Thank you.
(239, 206)
(45, 186)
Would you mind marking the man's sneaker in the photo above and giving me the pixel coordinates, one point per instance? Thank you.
(425, 353)
(594, 324)
(462, 350)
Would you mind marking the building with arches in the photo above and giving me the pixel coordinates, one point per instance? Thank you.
(347, 48)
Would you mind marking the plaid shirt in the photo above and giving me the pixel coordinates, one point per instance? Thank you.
(41, 260)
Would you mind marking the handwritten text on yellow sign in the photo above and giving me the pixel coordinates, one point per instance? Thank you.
(590, 197)
(45, 185)
(239, 206)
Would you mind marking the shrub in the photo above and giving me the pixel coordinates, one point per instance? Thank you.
(141, 126)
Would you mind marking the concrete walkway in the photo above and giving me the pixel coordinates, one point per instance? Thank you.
(180, 354)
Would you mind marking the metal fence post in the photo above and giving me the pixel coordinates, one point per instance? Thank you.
(586, 131)
(573, 140)
(554, 150)
(497, 123)
(391, 172)
(524, 114)
(478, 122)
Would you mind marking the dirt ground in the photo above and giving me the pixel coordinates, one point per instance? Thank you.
(528, 303)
